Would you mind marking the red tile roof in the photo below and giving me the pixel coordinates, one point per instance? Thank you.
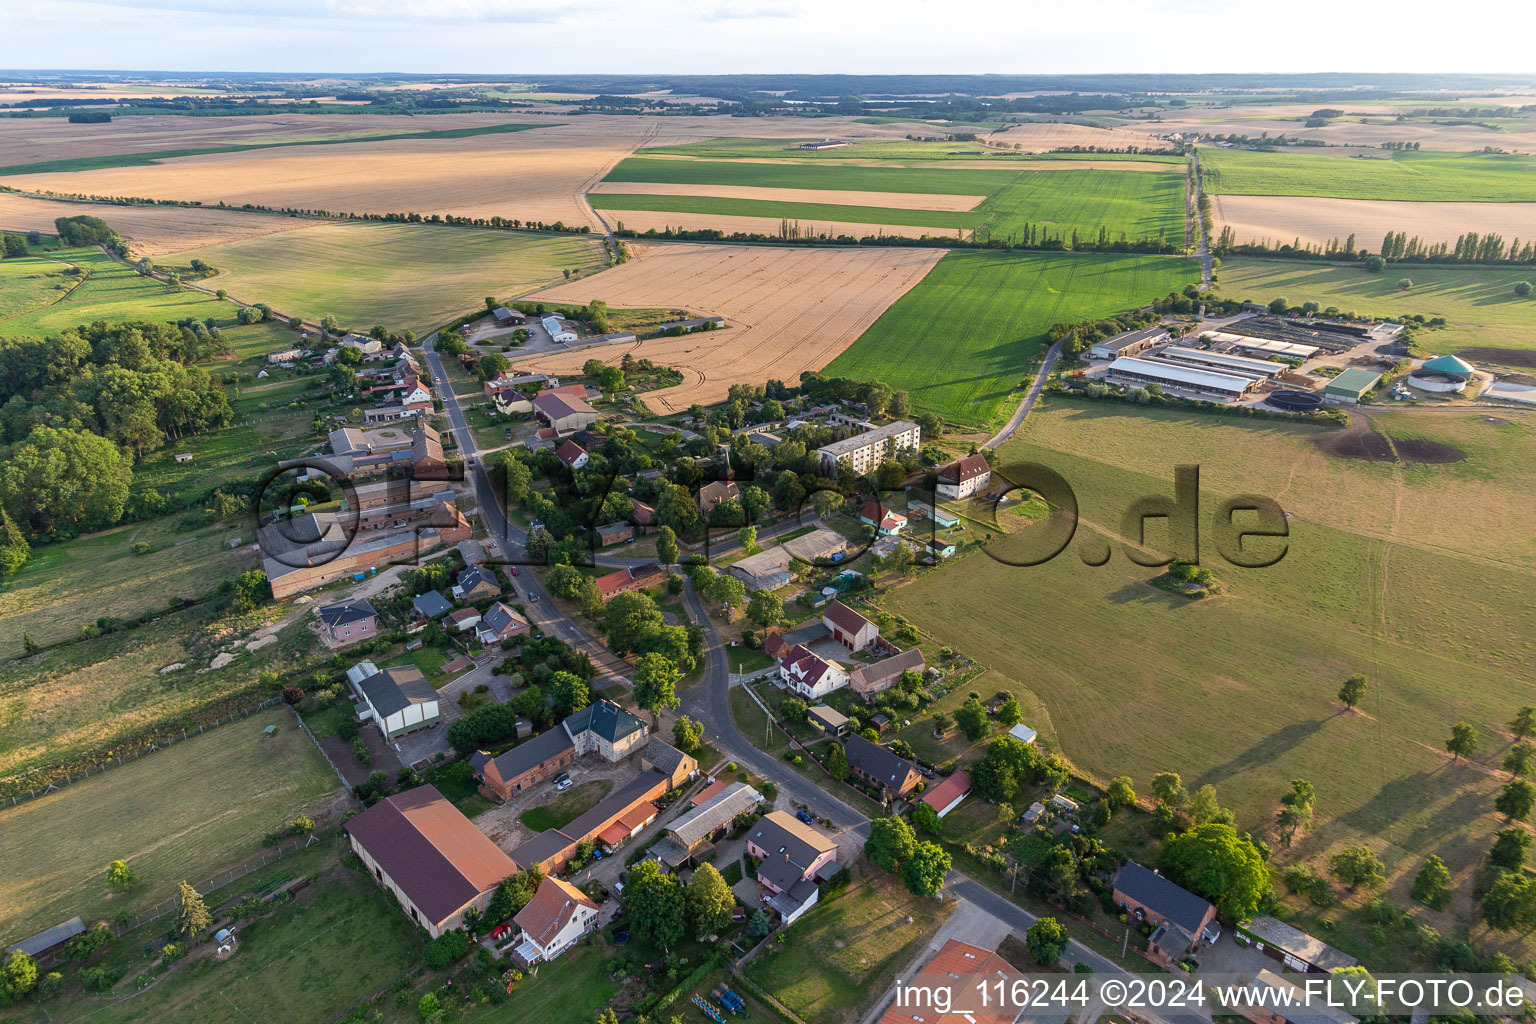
(942, 795)
(845, 618)
(956, 961)
(570, 452)
(965, 469)
(551, 909)
(709, 792)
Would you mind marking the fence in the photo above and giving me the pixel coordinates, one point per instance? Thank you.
(305, 726)
(70, 778)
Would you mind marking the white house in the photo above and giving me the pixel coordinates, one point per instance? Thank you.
(399, 700)
(963, 478)
(809, 675)
(553, 920)
(557, 329)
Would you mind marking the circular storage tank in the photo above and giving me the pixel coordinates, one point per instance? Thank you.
(1294, 401)
(1434, 380)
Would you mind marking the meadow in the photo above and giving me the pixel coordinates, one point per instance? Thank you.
(1418, 176)
(964, 338)
(1379, 577)
(32, 304)
(1479, 302)
(186, 812)
(403, 276)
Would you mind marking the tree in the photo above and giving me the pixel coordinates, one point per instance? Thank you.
(997, 775)
(765, 609)
(18, 976)
(1520, 759)
(1168, 788)
(759, 924)
(666, 545)
(924, 872)
(747, 538)
(1217, 863)
(655, 684)
(1047, 939)
(120, 876)
(1357, 866)
(1515, 800)
(1009, 713)
(1432, 885)
(1205, 808)
(837, 762)
(1404, 283)
(513, 894)
(14, 549)
(925, 818)
(1463, 741)
(63, 482)
(493, 363)
(890, 844)
(1509, 848)
(565, 582)
(1121, 792)
(442, 951)
(687, 735)
(727, 590)
(1522, 288)
(1375, 264)
(569, 693)
(1510, 903)
(972, 719)
(708, 901)
(1353, 690)
(1524, 723)
(428, 1008)
(192, 917)
(655, 903)
(330, 325)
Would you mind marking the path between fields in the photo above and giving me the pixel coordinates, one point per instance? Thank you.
(1046, 365)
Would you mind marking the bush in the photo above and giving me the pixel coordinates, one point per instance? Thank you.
(445, 949)
(98, 979)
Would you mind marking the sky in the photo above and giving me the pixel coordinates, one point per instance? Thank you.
(766, 36)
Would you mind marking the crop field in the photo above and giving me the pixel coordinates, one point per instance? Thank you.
(961, 341)
(1128, 203)
(1280, 220)
(185, 812)
(1377, 579)
(840, 177)
(715, 205)
(148, 230)
(404, 276)
(112, 291)
(614, 190)
(1479, 302)
(1419, 177)
(789, 310)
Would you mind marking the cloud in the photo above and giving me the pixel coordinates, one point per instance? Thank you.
(359, 13)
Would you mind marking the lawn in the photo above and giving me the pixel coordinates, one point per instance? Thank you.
(573, 988)
(566, 807)
(962, 340)
(186, 812)
(1479, 302)
(845, 953)
(403, 276)
(783, 210)
(1423, 177)
(113, 291)
(1420, 577)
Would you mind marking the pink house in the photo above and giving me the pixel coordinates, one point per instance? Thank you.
(793, 856)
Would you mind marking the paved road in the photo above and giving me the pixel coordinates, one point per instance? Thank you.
(1205, 248)
(1046, 365)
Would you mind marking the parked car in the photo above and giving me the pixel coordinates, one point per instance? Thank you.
(563, 783)
(516, 571)
(803, 816)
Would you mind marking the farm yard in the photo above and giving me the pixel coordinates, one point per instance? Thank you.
(185, 812)
(789, 310)
(960, 342)
(404, 276)
(1416, 176)
(1317, 220)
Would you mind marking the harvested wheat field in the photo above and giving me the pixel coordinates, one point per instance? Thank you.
(789, 310)
(1281, 219)
(893, 200)
(149, 230)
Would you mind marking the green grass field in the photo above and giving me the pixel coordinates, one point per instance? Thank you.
(963, 182)
(1479, 302)
(404, 276)
(966, 336)
(1424, 177)
(113, 291)
(1135, 204)
(896, 150)
(791, 211)
(1388, 573)
(186, 812)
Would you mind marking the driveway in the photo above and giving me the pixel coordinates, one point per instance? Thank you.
(501, 822)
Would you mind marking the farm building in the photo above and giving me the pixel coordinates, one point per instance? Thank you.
(1263, 348)
(947, 795)
(828, 720)
(1241, 366)
(424, 850)
(48, 940)
(689, 836)
(893, 774)
(612, 821)
(558, 331)
(316, 548)
(691, 325)
(1272, 998)
(862, 452)
(1444, 375)
(1294, 947)
(528, 763)
(399, 700)
(1128, 343)
(615, 533)
(505, 316)
(871, 680)
(824, 144)
(552, 921)
(623, 581)
(1350, 386)
(918, 509)
(848, 627)
(1148, 896)
(1205, 383)
(1022, 733)
(349, 620)
(766, 570)
(963, 478)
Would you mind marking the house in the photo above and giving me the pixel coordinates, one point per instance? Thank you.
(937, 549)
(607, 730)
(289, 355)
(476, 583)
(572, 455)
(792, 856)
(526, 764)
(918, 509)
(510, 402)
(462, 619)
(633, 578)
(894, 775)
(642, 515)
(887, 523)
(558, 331)
(500, 624)
(868, 681)
(1148, 896)
(864, 452)
(848, 627)
(614, 819)
(963, 478)
(828, 720)
(948, 985)
(349, 620)
(811, 675)
(716, 491)
(663, 757)
(49, 940)
(430, 856)
(1128, 343)
(399, 700)
(564, 414)
(775, 646)
(1022, 733)
(368, 348)
(691, 833)
(947, 795)
(1294, 948)
(552, 921)
(431, 605)
(615, 533)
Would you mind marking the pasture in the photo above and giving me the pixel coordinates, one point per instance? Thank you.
(186, 812)
(962, 341)
(111, 291)
(404, 276)
(1378, 578)
(1479, 302)
(1420, 177)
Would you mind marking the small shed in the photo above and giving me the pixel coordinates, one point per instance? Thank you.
(183, 456)
(828, 720)
(1023, 732)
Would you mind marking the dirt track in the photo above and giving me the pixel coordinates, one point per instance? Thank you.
(790, 310)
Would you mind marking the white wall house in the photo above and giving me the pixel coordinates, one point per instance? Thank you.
(553, 920)
(557, 329)
(399, 700)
